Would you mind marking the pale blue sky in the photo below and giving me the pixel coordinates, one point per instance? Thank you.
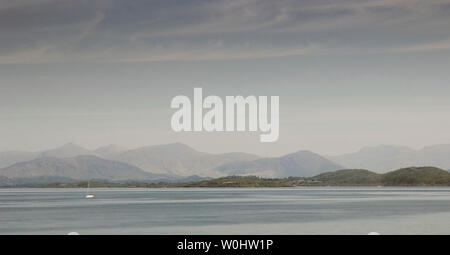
(348, 73)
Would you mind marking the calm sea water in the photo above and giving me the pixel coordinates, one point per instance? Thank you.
(226, 211)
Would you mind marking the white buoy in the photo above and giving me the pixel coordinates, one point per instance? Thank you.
(373, 234)
(73, 234)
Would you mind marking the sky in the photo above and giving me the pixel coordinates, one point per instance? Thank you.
(349, 74)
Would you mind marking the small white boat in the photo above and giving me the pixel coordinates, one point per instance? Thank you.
(87, 192)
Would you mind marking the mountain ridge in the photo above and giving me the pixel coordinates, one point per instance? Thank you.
(389, 157)
(301, 163)
(406, 177)
(67, 150)
(82, 167)
(178, 159)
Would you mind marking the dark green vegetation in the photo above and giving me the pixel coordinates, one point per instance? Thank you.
(413, 176)
(419, 176)
(239, 181)
(352, 177)
(231, 181)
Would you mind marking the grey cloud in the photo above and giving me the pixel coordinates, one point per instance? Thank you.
(140, 30)
(46, 26)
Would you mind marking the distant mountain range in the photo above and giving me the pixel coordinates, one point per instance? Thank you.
(386, 158)
(412, 176)
(9, 158)
(178, 161)
(302, 163)
(77, 168)
(108, 151)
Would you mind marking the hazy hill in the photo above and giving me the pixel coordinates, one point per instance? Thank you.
(66, 151)
(422, 176)
(108, 150)
(437, 155)
(349, 177)
(178, 159)
(172, 159)
(78, 168)
(8, 158)
(386, 158)
(412, 176)
(302, 163)
(417, 176)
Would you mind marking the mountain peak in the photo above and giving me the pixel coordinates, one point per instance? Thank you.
(171, 148)
(303, 152)
(385, 148)
(108, 150)
(389, 157)
(302, 163)
(66, 151)
(70, 145)
(82, 167)
(175, 146)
